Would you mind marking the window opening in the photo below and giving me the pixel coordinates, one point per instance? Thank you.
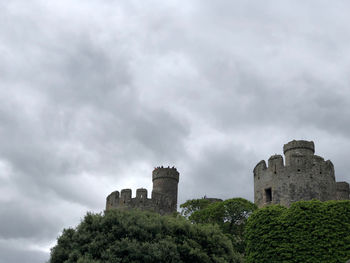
(268, 195)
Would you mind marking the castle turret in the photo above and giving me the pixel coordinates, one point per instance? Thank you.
(298, 148)
(165, 181)
(305, 176)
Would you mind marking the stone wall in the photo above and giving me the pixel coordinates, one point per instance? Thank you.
(304, 176)
(163, 199)
(343, 190)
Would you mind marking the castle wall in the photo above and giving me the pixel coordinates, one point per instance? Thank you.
(304, 176)
(163, 199)
(126, 202)
(343, 190)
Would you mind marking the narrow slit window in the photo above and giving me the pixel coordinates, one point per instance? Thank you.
(268, 195)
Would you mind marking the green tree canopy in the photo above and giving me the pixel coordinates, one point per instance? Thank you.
(135, 236)
(193, 205)
(231, 216)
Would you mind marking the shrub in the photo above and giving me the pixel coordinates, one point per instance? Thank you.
(308, 232)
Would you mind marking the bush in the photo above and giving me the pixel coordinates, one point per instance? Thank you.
(308, 232)
(135, 236)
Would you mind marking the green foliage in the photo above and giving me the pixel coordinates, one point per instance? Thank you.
(231, 216)
(191, 206)
(135, 236)
(308, 232)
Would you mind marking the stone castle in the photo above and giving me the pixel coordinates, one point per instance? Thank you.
(164, 194)
(303, 176)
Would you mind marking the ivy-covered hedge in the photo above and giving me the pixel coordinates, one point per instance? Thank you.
(307, 232)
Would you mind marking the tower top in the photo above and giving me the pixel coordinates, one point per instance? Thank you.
(165, 172)
(300, 144)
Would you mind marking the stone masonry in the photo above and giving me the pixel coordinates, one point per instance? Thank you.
(303, 176)
(164, 194)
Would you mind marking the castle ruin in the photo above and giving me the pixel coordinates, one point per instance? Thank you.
(303, 176)
(164, 194)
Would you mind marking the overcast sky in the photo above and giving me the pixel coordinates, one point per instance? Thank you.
(95, 93)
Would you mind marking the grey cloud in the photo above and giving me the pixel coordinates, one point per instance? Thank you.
(220, 172)
(17, 254)
(27, 221)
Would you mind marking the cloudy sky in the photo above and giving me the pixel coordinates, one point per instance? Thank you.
(95, 93)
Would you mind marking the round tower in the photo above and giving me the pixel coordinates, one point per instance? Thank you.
(298, 148)
(165, 181)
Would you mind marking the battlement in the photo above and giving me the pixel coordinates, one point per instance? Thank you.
(261, 166)
(329, 165)
(126, 195)
(303, 176)
(319, 159)
(163, 199)
(297, 163)
(275, 162)
(162, 172)
(297, 145)
(141, 193)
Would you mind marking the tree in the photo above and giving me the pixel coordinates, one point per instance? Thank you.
(191, 206)
(135, 236)
(231, 216)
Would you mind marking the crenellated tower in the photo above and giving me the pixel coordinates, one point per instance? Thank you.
(303, 176)
(164, 194)
(165, 181)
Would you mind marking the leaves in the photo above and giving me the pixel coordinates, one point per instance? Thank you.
(191, 206)
(135, 236)
(308, 231)
(230, 215)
